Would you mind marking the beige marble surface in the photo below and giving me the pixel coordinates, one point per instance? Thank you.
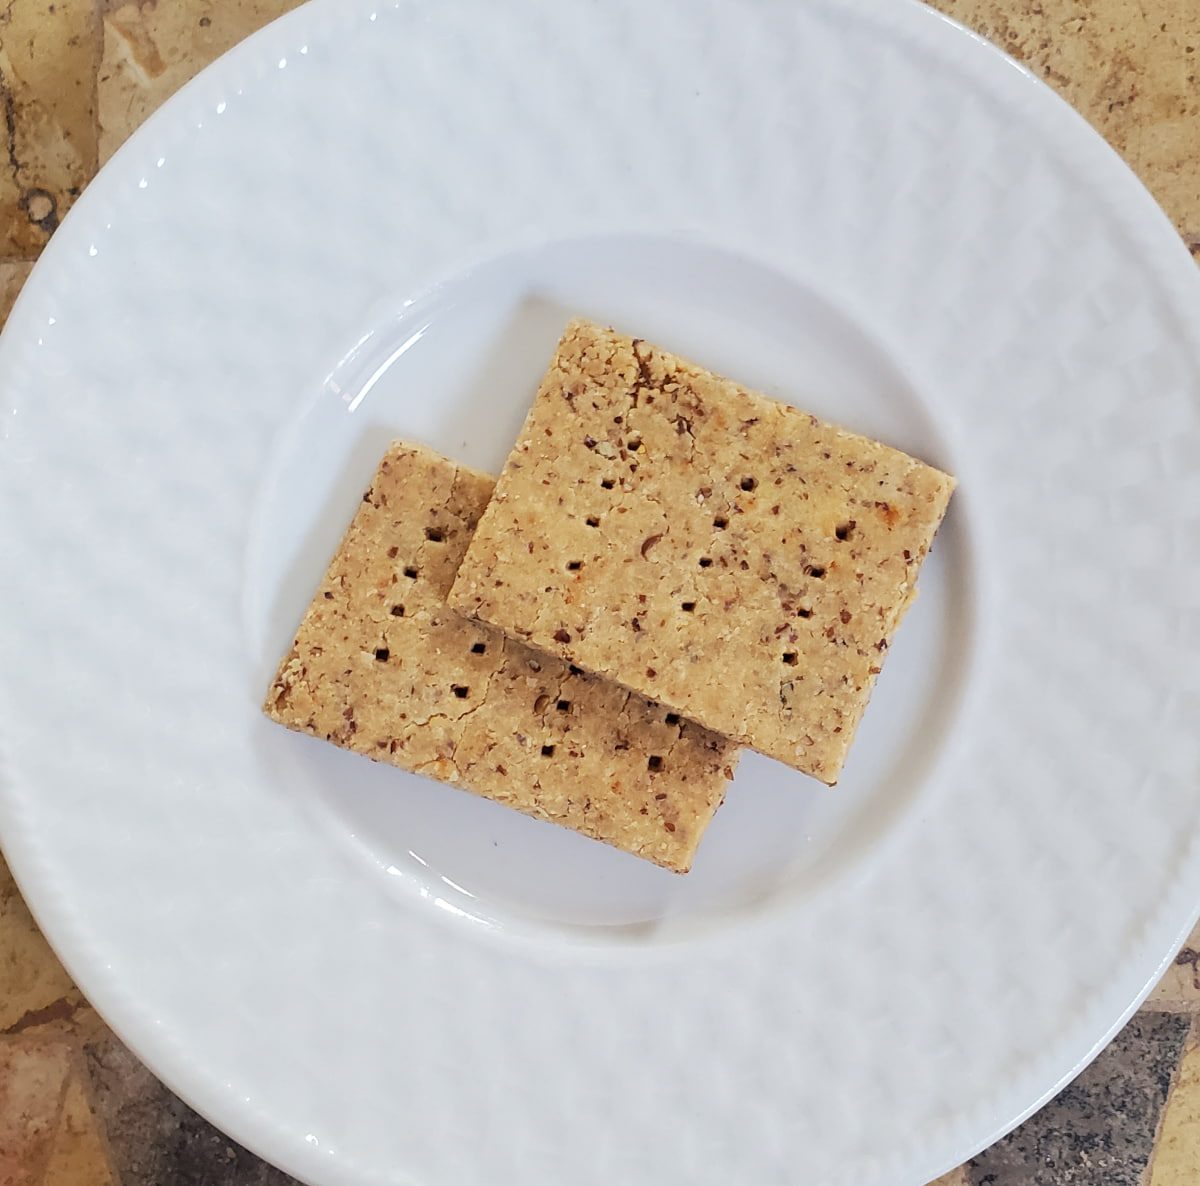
(1177, 1157)
(150, 50)
(48, 57)
(76, 77)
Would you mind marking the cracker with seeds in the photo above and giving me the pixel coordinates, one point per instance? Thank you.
(727, 555)
(382, 666)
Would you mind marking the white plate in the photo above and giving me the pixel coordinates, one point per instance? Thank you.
(369, 222)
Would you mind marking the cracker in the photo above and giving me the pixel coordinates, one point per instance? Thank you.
(723, 553)
(382, 666)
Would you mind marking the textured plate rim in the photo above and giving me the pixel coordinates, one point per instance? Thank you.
(1175, 915)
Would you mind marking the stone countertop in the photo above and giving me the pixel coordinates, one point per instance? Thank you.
(76, 77)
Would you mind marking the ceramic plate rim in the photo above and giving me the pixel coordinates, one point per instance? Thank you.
(33, 869)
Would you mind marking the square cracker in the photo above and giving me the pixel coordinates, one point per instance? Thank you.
(723, 553)
(382, 666)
